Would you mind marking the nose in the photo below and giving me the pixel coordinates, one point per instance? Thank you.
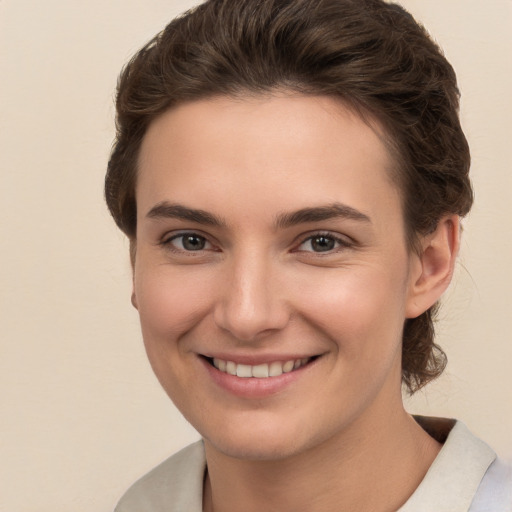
(252, 300)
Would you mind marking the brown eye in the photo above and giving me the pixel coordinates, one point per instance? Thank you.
(322, 243)
(188, 242)
(193, 242)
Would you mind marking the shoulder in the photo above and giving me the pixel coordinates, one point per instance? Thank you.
(174, 485)
(465, 476)
(495, 490)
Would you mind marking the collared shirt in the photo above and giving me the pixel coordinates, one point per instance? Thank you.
(466, 476)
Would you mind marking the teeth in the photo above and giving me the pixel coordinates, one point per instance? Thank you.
(260, 371)
(275, 369)
(244, 370)
(288, 366)
(220, 364)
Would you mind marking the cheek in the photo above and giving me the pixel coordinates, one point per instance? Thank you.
(170, 304)
(362, 310)
(170, 301)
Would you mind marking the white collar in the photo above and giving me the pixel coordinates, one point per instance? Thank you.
(450, 484)
(453, 478)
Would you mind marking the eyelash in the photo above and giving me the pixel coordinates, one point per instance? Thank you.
(167, 241)
(340, 243)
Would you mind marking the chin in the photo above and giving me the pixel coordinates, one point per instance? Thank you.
(254, 448)
(259, 440)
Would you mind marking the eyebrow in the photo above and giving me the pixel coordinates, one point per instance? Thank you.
(166, 210)
(319, 213)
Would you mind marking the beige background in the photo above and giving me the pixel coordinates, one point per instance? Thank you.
(81, 415)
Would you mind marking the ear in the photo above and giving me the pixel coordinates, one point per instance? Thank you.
(133, 252)
(432, 269)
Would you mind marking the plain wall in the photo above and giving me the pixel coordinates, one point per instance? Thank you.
(82, 415)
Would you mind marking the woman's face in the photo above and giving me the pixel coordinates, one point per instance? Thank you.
(270, 237)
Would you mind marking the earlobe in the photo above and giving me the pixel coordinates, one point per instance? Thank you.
(134, 301)
(432, 270)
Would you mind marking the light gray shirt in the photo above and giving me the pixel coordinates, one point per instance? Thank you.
(466, 476)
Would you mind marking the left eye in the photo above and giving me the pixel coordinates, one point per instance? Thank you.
(189, 242)
(321, 243)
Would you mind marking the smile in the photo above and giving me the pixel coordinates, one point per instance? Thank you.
(260, 371)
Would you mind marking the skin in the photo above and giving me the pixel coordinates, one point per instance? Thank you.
(257, 289)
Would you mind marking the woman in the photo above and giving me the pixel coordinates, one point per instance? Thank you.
(291, 175)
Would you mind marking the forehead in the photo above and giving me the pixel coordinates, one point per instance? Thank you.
(250, 152)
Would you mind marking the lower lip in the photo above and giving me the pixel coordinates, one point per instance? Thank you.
(252, 387)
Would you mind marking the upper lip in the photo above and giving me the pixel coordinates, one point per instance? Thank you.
(256, 359)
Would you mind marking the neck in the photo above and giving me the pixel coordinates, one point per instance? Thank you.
(364, 468)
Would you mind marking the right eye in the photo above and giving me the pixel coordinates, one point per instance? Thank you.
(187, 242)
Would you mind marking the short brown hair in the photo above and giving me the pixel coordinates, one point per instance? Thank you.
(371, 55)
